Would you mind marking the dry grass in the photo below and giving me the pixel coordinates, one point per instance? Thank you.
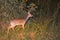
(45, 24)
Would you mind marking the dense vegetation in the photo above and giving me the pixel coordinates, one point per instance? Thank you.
(44, 25)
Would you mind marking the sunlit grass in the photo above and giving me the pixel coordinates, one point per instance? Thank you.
(31, 27)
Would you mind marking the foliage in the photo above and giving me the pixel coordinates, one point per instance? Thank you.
(44, 25)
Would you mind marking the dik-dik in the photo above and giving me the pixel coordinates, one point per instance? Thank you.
(15, 22)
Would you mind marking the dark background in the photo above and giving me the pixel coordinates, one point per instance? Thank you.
(45, 21)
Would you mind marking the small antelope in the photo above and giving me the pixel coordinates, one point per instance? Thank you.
(15, 22)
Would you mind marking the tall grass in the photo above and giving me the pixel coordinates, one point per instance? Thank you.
(43, 26)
